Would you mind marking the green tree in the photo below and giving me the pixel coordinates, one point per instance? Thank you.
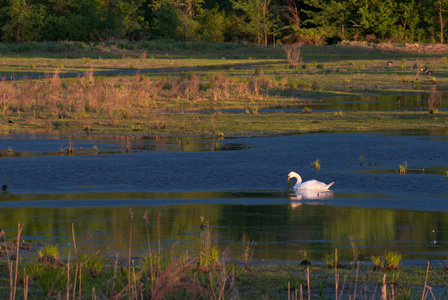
(133, 22)
(409, 18)
(378, 17)
(257, 16)
(441, 7)
(166, 21)
(333, 17)
(213, 25)
(21, 20)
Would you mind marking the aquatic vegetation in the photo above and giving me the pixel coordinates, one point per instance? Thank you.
(305, 257)
(306, 110)
(90, 275)
(361, 159)
(316, 165)
(248, 253)
(332, 260)
(378, 262)
(209, 254)
(403, 167)
(50, 255)
(393, 259)
(434, 100)
(338, 114)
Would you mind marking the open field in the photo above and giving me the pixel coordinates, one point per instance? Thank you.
(248, 79)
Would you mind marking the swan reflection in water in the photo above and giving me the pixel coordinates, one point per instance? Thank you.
(305, 195)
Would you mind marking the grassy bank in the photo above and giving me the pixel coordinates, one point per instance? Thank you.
(177, 273)
(157, 103)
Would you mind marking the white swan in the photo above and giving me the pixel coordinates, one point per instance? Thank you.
(308, 185)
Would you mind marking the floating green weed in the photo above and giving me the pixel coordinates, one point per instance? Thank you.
(361, 159)
(316, 165)
(403, 167)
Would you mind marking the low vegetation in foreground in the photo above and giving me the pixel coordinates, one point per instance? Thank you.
(196, 101)
(209, 274)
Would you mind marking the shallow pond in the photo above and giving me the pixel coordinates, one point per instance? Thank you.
(342, 103)
(237, 185)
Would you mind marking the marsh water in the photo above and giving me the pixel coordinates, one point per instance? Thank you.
(238, 185)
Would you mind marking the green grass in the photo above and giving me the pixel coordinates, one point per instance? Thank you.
(78, 103)
(266, 281)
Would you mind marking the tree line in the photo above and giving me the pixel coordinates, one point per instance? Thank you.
(260, 22)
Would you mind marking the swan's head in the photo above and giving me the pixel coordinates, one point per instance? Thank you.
(294, 175)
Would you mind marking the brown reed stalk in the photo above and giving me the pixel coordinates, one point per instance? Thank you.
(356, 281)
(19, 232)
(131, 215)
(80, 281)
(289, 291)
(76, 278)
(336, 274)
(383, 289)
(115, 274)
(308, 282)
(158, 241)
(8, 258)
(134, 288)
(145, 216)
(342, 288)
(74, 241)
(26, 285)
(68, 276)
(424, 294)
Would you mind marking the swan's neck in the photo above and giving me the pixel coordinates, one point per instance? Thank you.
(299, 180)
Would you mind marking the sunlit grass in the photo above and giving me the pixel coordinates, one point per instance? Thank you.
(209, 275)
(122, 101)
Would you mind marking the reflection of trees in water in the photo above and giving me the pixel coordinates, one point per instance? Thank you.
(279, 231)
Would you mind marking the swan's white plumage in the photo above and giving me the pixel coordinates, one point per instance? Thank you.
(308, 185)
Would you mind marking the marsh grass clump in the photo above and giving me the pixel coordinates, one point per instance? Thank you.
(361, 159)
(393, 260)
(331, 260)
(305, 258)
(316, 165)
(50, 256)
(338, 114)
(306, 110)
(403, 168)
(378, 262)
(248, 253)
(434, 100)
(209, 255)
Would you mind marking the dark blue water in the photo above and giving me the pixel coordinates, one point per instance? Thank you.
(238, 185)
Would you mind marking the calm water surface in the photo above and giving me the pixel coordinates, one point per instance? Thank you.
(236, 184)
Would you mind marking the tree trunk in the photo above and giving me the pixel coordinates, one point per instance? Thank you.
(441, 21)
(264, 24)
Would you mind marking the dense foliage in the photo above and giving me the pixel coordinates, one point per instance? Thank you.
(255, 21)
